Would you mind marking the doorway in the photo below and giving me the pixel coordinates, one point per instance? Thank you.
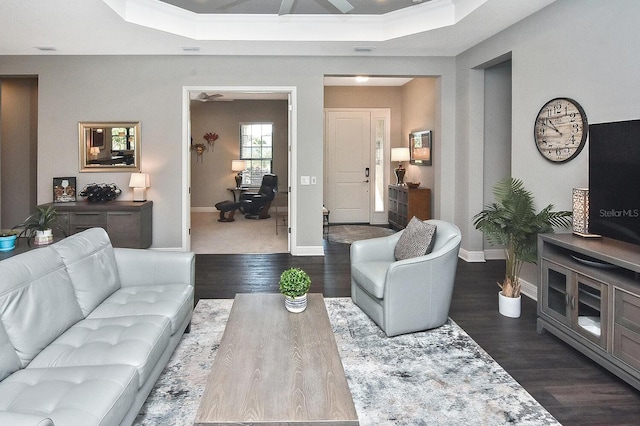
(209, 177)
(356, 150)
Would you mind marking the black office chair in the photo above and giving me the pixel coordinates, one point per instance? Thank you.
(255, 205)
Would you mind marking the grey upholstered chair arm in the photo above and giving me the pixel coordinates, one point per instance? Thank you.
(375, 249)
(151, 267)
(9, 418)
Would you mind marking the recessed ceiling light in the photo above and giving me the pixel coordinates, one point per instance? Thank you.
(362, 79)
(46, 48)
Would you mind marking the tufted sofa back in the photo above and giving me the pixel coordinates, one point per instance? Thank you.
(91, 265)
(37, 304)
(45, 291)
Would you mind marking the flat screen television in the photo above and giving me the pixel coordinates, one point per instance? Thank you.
(614, 180)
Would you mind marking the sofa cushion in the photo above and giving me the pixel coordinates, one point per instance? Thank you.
(138, 341)
(9, 361)
(96, 395)
(37, 301)
(174, 301)
(89, 258)
(416, 240)
(371, 276)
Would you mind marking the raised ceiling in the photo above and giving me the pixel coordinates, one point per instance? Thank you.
(299, 7)
(154, 27)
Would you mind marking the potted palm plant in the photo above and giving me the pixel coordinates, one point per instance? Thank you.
(294, 284)
(512, 222)
(40, 225)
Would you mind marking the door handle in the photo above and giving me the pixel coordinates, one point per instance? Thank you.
(366, 172)
(365, 181)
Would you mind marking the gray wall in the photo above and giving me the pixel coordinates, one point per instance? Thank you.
(578, 49)
(18, 149)
(149, 89)
(575, 48)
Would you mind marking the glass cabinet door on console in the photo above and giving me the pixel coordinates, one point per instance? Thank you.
(590, 310)
(556, 285)
(575, 300)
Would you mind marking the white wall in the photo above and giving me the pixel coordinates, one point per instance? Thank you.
(149, 89)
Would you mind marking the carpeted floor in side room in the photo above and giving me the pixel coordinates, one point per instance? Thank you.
(436, 377)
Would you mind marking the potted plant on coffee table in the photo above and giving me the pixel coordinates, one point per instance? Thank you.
(294, 284)
(512, 222)
(40, 225)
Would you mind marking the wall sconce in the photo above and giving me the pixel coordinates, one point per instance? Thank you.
(580, 203)
(94, 152)
(139, 182)
(238, 166)
(400, 155)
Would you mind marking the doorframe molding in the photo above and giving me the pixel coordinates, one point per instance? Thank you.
(186, 154)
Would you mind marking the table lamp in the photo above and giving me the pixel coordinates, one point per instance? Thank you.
(580, 204)
(139, 182)
(400, 155)
(238, 166)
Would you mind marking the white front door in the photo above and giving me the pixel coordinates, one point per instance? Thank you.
(348, 165)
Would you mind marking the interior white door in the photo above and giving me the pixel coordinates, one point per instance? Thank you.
(348, 149)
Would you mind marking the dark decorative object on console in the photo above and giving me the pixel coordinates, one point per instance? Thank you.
(100, 192)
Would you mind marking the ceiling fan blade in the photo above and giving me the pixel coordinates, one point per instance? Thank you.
(342, 5)
(285, 7)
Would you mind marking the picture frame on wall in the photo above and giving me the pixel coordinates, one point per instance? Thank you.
(420, 148)
(64, 189)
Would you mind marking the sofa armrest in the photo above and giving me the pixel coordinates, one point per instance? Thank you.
(11, 418)
(375, 249)
(151, 267)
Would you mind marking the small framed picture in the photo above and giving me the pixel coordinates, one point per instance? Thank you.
(420, 148)
(64, 189)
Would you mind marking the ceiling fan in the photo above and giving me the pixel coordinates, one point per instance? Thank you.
(342, 5)
(205, 97)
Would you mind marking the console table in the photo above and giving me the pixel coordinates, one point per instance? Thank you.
(128, 223)
(589, 296)
(404, 203)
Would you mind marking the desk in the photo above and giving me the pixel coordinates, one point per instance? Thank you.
(238, 191)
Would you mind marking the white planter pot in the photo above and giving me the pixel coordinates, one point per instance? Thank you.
(509, 306)
(43, 237)
(295, 304)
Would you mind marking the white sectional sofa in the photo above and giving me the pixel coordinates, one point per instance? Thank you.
(86, 329)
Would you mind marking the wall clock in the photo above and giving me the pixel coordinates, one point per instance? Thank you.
(561, 130)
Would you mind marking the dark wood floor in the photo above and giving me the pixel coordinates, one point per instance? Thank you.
(570, 386)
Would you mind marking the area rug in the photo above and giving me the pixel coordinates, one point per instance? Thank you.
(437, 377)
(350, 233)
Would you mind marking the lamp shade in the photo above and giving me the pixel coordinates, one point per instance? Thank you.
(238, 165)
(580, 204)
(399, 154)
(139, 182)
(94, 150)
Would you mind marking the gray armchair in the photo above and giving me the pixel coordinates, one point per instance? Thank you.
(408, 295)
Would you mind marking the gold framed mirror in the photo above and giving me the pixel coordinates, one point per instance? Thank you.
(109, 146)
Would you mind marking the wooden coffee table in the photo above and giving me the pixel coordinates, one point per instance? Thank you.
(275, 367)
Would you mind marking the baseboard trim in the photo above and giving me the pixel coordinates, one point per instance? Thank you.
(203, 209)
(307, 251)
(494, 254)
(471, 256)
(528, 289)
